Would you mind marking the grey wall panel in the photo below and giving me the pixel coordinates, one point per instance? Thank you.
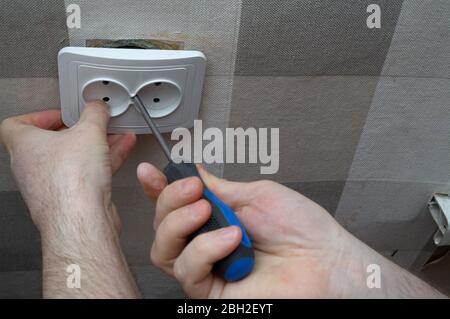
(31, 34)
(21, 284)
(437, 275)
(136, 212)
(7, 182)
(147, 150)
(216, 101)
(421, 43)
(209, 26)
(313, 37)
(320, 121)
(406, 136)
(24, 95)
(154, 284)
(389, 215)
(19, 240)
(401, 159)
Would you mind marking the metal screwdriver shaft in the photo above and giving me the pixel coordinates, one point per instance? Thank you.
(141, 108)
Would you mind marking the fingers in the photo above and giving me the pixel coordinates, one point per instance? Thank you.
(47, 120)
(152, 180)
(176, 195)
(179, 213)
(120, 147)
(113, 138)
(172, 234)
(193, 267)
(95, 113)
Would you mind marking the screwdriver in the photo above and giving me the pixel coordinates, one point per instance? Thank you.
(240, 262)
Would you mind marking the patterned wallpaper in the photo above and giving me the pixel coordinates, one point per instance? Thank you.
(363, 113)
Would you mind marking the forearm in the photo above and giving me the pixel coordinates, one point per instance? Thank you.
(88, 239)
(402, 284)
(395, 282)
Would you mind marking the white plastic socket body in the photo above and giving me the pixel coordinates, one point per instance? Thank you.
(439, 206)
(169, 83)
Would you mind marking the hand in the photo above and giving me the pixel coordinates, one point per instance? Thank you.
(300, 250)
(64, 176)
(296, 241)
(56, 168)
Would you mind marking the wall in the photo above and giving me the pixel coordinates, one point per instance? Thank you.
(363, 113)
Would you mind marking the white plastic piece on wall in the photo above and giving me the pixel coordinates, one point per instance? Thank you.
(439, 206)
(169, 82)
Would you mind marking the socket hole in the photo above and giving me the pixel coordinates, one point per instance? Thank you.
(157, 83)
(160, 100)
(105, 82)
(106, 99)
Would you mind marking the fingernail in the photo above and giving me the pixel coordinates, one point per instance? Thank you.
(228, 233)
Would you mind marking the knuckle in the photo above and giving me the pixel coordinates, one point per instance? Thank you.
(198, 182)
(179, 270)
(200, 244)
(5, 127)
(6, 123)
(167, 226)
(154, 256)
(162, 196)
(160, 203)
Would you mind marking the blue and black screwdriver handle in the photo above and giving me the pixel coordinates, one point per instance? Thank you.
(240, 262)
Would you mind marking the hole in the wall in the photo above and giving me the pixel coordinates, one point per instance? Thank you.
(394, 253)
(156, 100)
(130, 47)
(106, 99)
(152, 44)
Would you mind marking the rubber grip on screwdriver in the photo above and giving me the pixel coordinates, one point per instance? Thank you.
(240, 262)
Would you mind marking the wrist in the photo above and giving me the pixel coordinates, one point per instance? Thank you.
(348, 269)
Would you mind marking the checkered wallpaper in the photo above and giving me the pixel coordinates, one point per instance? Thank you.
(364, 114)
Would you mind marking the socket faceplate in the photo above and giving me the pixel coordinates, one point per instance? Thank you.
(169, 82)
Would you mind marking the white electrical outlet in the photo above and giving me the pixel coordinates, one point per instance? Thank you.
(169, 82)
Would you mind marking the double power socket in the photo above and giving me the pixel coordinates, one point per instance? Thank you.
(169, 82)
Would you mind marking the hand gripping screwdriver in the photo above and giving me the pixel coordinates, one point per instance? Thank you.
(240, 262)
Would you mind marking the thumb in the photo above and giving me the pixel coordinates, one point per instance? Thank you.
(95, 113)
(234, 194)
